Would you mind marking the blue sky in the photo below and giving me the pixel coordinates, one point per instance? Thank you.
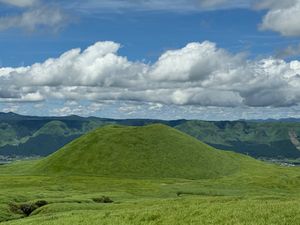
(193, 59)
(145, 35)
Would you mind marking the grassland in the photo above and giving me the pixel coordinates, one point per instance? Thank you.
(272, 198)
(256, 193)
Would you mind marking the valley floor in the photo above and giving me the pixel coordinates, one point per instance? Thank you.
(238, 199)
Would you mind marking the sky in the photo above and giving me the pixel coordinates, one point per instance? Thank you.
(163, 59)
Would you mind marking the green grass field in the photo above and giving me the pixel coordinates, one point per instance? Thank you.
(239, 191)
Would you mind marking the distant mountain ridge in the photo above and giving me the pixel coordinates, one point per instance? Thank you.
(15, 116)
(291, 119)
(33, 135)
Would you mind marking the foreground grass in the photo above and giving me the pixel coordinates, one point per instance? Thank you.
(272, 197)
(207, 186)
(212, 210)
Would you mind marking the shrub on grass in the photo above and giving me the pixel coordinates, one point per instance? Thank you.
(26, 208)
(41, 203)
(14, 208)
(179, 193)
(103, 199)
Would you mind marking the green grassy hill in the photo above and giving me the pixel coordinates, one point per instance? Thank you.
(153, 175)
(149, 151)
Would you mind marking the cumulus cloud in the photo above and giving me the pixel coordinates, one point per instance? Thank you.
(97, 66)
(199, 74)
(189, 63)
(282, 17)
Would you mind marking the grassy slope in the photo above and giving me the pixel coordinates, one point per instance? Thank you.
(260, 197)
(149, 151)
(255, 194)
(205, 211)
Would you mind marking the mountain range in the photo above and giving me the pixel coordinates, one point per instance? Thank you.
(41, 136)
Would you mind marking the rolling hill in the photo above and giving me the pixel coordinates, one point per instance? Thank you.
(156, 151)
(151, 174)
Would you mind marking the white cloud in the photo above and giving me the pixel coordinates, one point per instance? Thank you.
(282, 17)
(129, 109)
(195, 62)
(6, 71)
(35, 15)
(35, 19)
(11, 108)
(155, 106)
(98, 65)
(198, 74)
(78, 109)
